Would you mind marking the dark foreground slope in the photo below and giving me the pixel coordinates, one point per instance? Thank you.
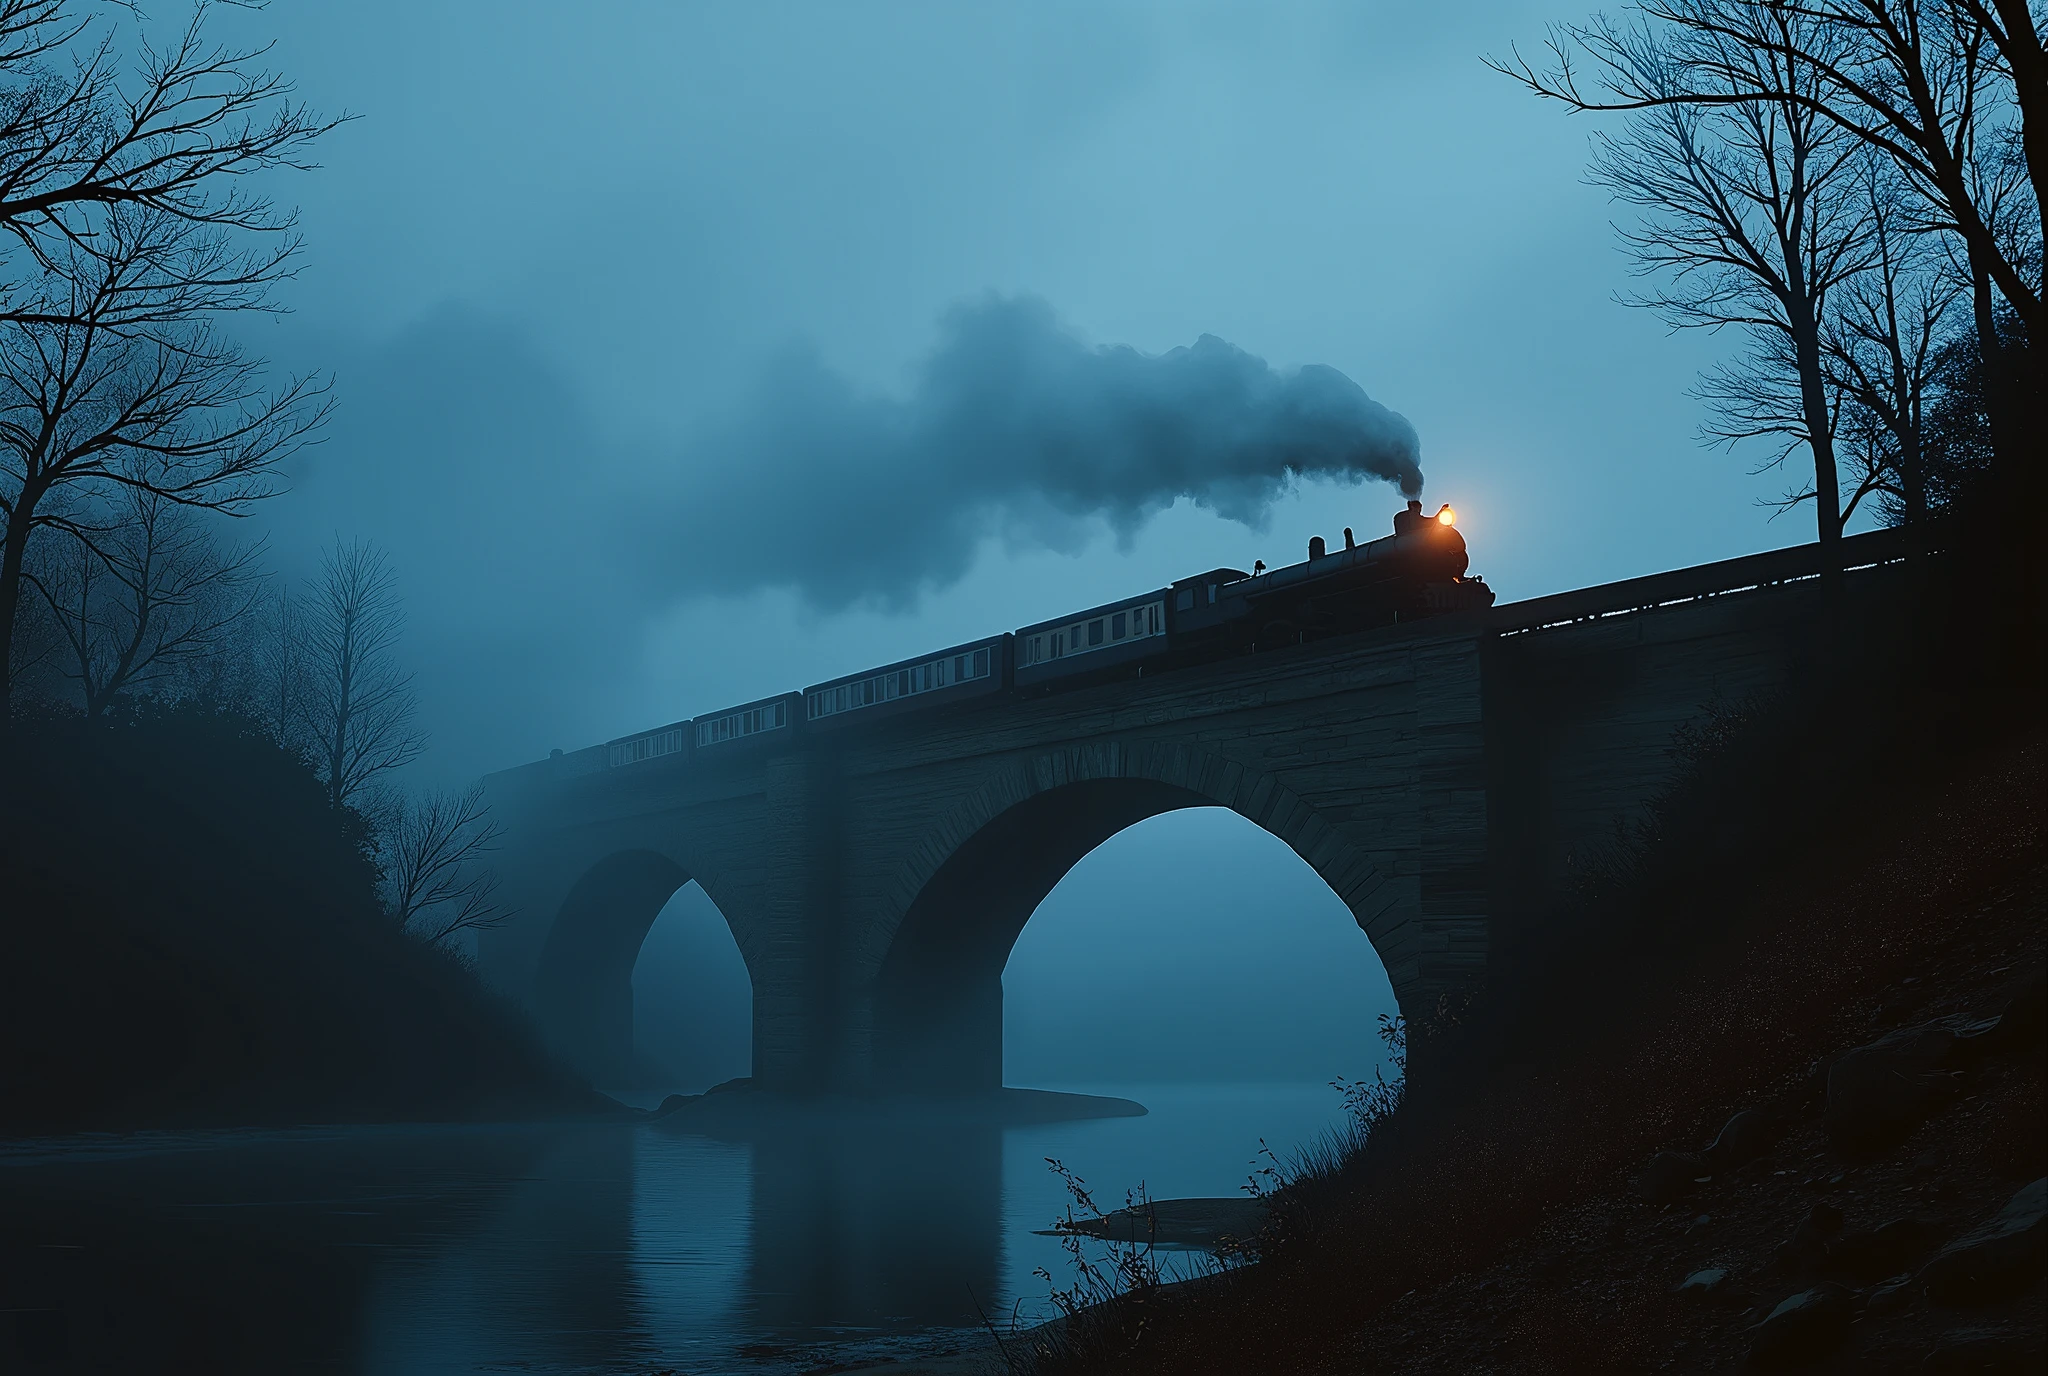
(1521, 1225)
(189, 935)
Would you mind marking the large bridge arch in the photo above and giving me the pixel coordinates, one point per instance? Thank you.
(972, 886)
(582, 992)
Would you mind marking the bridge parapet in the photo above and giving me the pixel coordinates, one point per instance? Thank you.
(1750, 573)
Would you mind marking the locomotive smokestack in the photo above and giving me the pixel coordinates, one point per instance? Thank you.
(1315, 546)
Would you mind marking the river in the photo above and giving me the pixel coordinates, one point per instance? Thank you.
(578, 1248)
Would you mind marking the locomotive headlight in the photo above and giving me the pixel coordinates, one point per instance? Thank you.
(1447, 516)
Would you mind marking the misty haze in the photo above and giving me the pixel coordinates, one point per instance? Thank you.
(1022, 689)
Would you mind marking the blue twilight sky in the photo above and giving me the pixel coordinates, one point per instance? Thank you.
(564, 247)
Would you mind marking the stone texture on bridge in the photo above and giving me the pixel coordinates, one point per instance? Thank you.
(1441, 777)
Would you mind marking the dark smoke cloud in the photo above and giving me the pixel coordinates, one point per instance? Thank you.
(1013, 427)
(487, 474)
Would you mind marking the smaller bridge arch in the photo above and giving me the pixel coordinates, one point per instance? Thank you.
(967, 892)
(582, 993)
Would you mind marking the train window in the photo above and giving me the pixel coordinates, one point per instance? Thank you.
(981, 663)
(1095, 631)
(1116, 627)
(1184, 600)
(1212, 592)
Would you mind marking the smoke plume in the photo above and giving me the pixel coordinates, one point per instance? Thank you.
(1013, 427)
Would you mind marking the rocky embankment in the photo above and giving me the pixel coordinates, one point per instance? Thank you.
(1881, 1212)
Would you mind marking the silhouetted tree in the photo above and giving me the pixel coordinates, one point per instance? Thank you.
(146, 601)
(1748, 217)
(278, 683)
(358, 703)
(1956, 433)
(435, 882)
(177, 133)
(129, 227)
(1952, 93)
(140, 391)
(1886, 339)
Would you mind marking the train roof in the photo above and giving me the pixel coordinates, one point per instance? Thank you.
(1213, 576)
(652, 731)
(986, 642)
(1337, 560)
(1121, 604)
(768, 701)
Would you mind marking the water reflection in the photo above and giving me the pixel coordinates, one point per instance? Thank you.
(876, 1226)
(229, 1252)
(567, 1248)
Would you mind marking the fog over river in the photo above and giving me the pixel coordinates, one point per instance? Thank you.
(587, 1248)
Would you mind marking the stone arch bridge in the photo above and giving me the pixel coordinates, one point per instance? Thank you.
(1439, 776)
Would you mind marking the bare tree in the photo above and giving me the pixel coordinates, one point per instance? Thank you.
(140, 392)
(1885, 351)
(1940, 88)
(178, 133)
(130, 226)
(145, 602)
(1917, 80)
(136, 389)
(358, 704)
(279, 688)
(1748, 218)
(435, 881)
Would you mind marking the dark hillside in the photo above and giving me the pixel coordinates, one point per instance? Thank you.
(189, 934)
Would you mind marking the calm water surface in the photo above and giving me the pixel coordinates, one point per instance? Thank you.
(575, 1249)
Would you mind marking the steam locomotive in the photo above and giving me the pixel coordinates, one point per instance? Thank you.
(1416, 572)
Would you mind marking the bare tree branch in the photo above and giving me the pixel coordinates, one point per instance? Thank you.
(1924, 82)
(139, 606)
(179, 136)
(133, 387)
(1747, 217)
(435, 881)
(358, 707)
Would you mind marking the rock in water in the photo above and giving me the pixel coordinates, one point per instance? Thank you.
(1805, 1328)
(1881, 1091)
(1996, 1258)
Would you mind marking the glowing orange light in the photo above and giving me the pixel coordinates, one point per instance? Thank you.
(1447, 516)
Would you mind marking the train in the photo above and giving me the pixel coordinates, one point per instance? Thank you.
(1419, 571)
